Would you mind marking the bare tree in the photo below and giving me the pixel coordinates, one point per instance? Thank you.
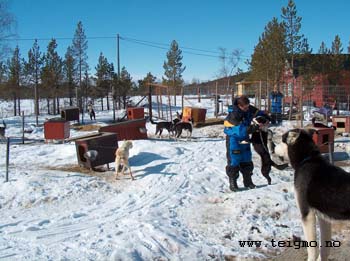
(7, 29)
(229, 63)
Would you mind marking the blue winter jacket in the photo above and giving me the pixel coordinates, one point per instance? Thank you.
(236, 127)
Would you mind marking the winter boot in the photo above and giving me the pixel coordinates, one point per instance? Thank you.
(233, 184)
(247, 181)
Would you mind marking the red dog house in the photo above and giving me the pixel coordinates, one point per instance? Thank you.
(128, 130)
(322, 137)
(342, 123)
(56, 129)
(136, 113)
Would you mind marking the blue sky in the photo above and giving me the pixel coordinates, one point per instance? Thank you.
(198, 24)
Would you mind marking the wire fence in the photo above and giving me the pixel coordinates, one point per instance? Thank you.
(335, 96)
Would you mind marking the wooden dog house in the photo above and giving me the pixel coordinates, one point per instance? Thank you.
(197, 114)
(70, 114)
(136, 113)
(342, 123)
(128, 130)
(105, 144)
(322, 137)
(56, 129)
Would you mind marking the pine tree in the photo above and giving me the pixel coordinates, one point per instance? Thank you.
(336, 62)
(143, 84)
(69, 67)
(32, 71)
(173, 68)
(125, 84)
(104, 79)
(268, 59)
(15, 73)
(79, 51)
(52, 75)
(322, 61)
(294, 40)
(3, 81)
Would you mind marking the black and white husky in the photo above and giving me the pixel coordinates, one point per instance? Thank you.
(168, 125)
(2, 130)
(181, 126)
(321, 189)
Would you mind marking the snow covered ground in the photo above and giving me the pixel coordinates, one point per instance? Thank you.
(178, 208)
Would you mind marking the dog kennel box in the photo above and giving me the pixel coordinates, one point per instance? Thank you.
(342, 123)
(197, 114)
(56, 129)
(322, 137)
(136, 113)
(104, 143)
(128, 130)
(70, 113)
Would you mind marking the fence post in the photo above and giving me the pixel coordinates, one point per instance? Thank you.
(7, 158)
(22, 127)
(330, 152)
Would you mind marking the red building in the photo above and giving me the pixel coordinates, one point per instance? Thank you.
(322, 90)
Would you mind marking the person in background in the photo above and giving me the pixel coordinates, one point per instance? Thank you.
(238, 152)
(91, 111)
(276, 106)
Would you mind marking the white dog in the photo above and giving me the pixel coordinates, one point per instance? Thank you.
(122, 157)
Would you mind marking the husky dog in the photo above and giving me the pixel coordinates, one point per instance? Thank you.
(2, 130)
(122, 157)
(264, 146)
(321, 189)
(168, 125)
(182, 125)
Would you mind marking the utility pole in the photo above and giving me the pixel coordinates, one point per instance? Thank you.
(118, 55)
(118, 75)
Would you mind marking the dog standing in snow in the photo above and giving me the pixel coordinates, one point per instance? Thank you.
(321, 189)
(2, 130)
(122, 157)
(182, 125)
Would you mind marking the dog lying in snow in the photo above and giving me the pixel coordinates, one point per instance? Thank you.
(321, 189)
(122, 158)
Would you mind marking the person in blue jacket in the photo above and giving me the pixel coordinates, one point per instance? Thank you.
(238, 152)
(276, 106)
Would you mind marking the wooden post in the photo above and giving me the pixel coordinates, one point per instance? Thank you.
(301, 105)
(216, 99)
(169, 102)
(150, 101)
(330, 144)
(161, 102)
(7, 158)
(22, 127)
(199, 93)
(182, 98)
(158, 107)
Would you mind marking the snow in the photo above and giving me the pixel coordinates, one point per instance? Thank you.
(178, 208)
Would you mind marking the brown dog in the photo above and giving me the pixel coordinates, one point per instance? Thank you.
(122, 157)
